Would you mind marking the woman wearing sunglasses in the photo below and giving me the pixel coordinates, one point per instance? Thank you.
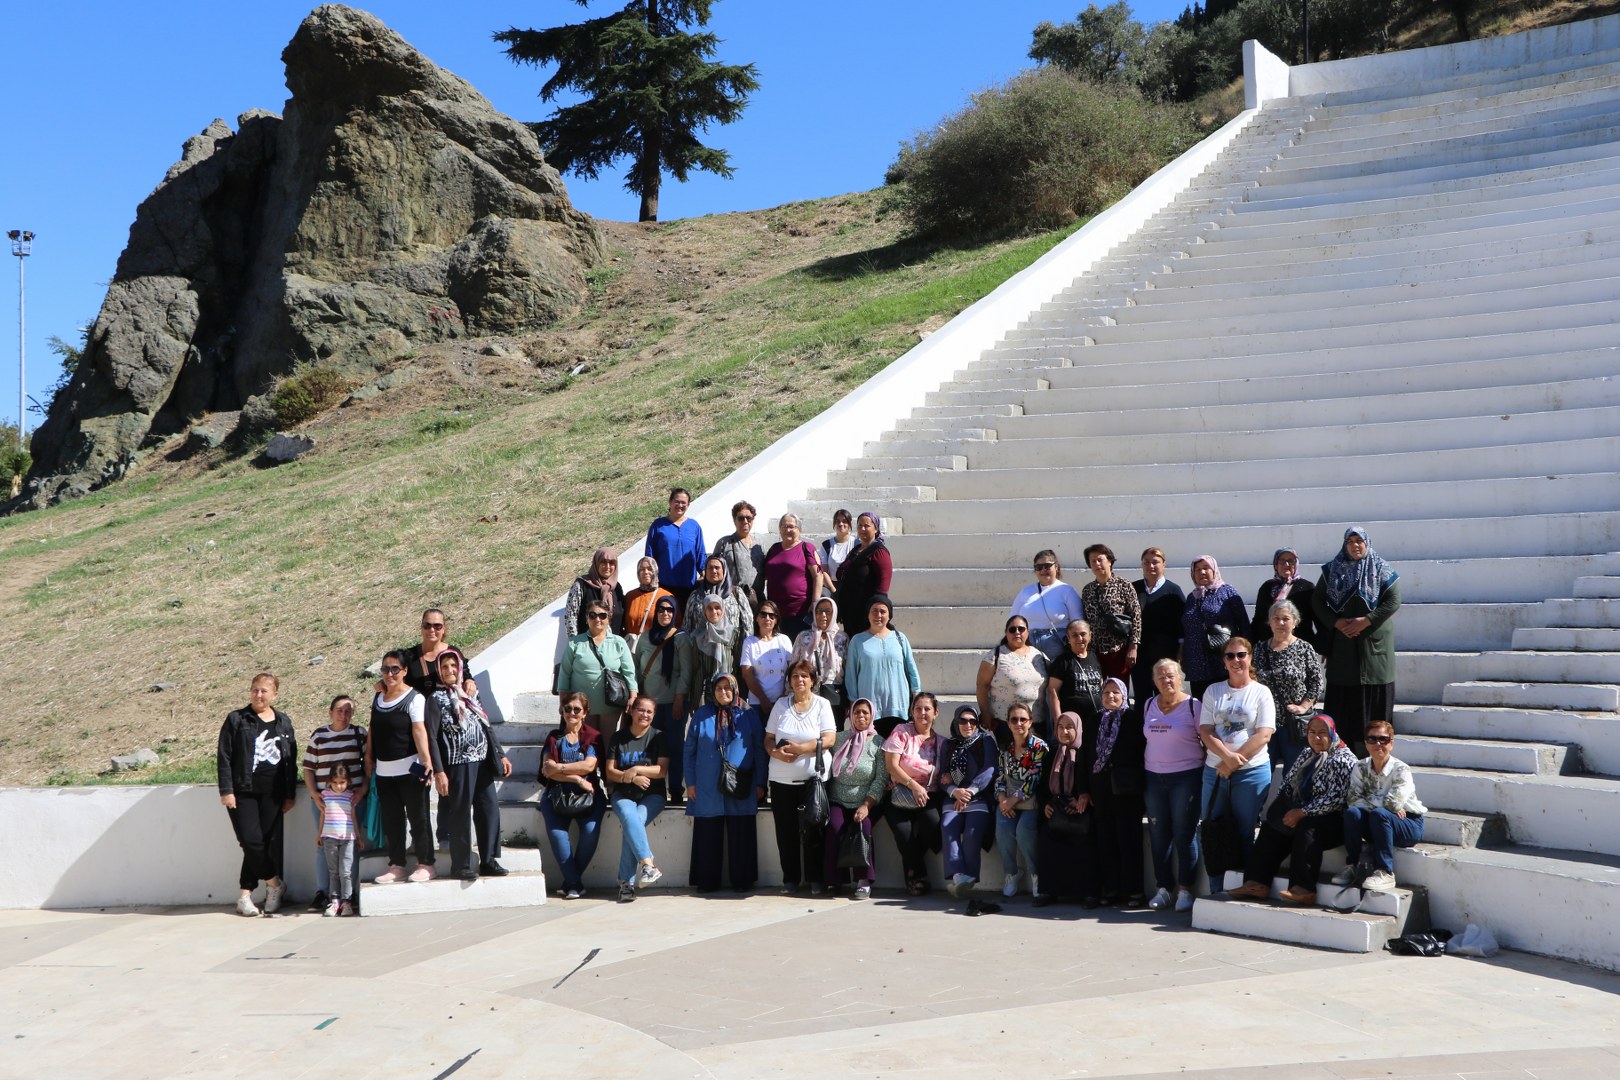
(1382, 812)
(586, 661)
(1013, 673)
(1235, 724)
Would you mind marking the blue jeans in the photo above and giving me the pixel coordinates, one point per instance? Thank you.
(573, 858)
(674, 744)
(1172, 809)
(1015, 836)
(323, 876)
(1382, 829)
(634, 817)
(964, 836)
(1248, 795)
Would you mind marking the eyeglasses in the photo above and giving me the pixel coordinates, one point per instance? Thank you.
(392, 669)
(767, 615)
(744, 518)
(1379, 740)
(573, 710)
(1018, 720)
(1017, 629)
(433, 626)
(1045, 565)
(597, 615)
(1236, 655)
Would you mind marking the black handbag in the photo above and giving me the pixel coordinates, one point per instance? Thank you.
(1065, 822)
(615, 688)
(1217, 636)
(570, 800)
(734, 782)
(1218, 838)
(854, 846)
(1121, 623)
(1127, 780)
(815, 809)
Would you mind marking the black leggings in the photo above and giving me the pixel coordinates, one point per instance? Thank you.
(471, 807)
(916, 833)
(399, 797)
(802, 855)
(257, 824)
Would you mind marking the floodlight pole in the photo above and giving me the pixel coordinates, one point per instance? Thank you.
(22, 246)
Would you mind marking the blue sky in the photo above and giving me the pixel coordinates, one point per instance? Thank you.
(97, 97)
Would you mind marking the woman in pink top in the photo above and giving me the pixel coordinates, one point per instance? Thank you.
(913, 755)
(1175, 764)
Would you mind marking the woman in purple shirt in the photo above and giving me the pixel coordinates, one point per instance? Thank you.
(1175, 764)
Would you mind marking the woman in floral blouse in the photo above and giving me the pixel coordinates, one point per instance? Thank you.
(1114, 613)
(1013, 673)
(1022, 758)
(1297, 678)
(1382, 811)
(1304, 819)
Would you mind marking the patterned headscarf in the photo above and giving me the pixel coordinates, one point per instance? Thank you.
(1203, 590)
(846, 757)
(1060, 779)
(1366, 577)
(1108, 726)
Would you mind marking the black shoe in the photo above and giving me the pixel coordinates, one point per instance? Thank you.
(468, 874)
(320, 903)
(1042, 900)
(627, 893)
(493, 869)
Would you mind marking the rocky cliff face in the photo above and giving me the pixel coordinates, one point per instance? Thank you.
(389, 204)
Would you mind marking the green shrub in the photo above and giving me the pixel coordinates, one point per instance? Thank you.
(1037, 152)
(307, 392)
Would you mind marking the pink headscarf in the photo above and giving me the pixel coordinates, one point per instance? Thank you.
(846, 757)
(1201, 591)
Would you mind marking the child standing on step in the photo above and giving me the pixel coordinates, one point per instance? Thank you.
(337, 839)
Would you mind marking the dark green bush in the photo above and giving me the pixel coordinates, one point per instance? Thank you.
(1037, 152)
(307, 392)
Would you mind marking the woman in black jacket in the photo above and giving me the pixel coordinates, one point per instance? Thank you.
(1115, 777)
(258, 772)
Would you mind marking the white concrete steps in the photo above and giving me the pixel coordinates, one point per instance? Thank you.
(1577, 108)
(1548, 901)
(518, 860)
(1476, 167)
(1592, 612)
(1567, 638)
(1598, 587)
(1571, 812)
(1489, 755)
(1551, 77)
(1588, 697)
(443, 894)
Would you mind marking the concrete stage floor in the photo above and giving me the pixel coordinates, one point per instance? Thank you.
(685, 986)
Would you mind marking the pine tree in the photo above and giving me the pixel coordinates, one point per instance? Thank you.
(649, 86)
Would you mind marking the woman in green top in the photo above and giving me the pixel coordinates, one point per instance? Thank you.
(587, 659)
(1355, 601)
(857, 779)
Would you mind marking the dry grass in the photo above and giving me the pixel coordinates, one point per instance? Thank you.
(480, 486)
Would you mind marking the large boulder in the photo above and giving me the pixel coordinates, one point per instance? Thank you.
(389, 204)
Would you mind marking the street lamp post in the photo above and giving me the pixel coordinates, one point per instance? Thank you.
(22, 246)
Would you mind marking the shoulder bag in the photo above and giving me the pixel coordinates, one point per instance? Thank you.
(615, 690)
(570, 800)
(815, 809)
(854, 846)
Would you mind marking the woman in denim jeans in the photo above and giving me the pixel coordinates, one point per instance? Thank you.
(1175, 769)
(1023, 758)
(570, 759)
(637, 763)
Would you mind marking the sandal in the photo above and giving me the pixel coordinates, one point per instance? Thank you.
(917, 887)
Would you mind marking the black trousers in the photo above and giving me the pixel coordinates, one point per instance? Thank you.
(916, 833)
(1303, 848)
(802, 856)
(1118, 835)
(399, 798)
(257, 824)
(732, 838)
(471, 807)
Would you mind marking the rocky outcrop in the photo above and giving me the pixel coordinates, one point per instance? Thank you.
(390, 203)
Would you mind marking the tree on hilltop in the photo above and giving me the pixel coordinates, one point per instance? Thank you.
(649, 85)
(1099, 45)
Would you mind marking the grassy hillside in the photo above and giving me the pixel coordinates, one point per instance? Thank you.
(481, 483)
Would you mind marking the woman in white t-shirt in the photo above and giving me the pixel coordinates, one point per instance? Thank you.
(1235, 723)
(764, 659)
(800, 722)
(1048, 605)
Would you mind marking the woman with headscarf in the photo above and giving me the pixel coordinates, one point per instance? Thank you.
(1013, 673)
(1063, 855)
(711, 653)
(717, 584)
(640, 602)
(1285, 584)
(471, 760)
(726, 731)
(914, 754)
(866, 573)
(969, 783)
(825, 645)
(880, 667)
(1023, 755)
(658, 656)
(599, 583)
(856, 780)
(1115, 781)
(1304, 818)
(1214, 612)
(1355, 601)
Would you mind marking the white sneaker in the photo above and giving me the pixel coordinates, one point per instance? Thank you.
(245, 906)
(862, 892)
(1034, 885)
(649, 875)
(959, 884)
(423, 872)
(1379, 881)
(1184, 900)
(1345, 876)
(1009, 885)
(334, 909)
(272, 897)
(391, 875)
(1160, 901)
